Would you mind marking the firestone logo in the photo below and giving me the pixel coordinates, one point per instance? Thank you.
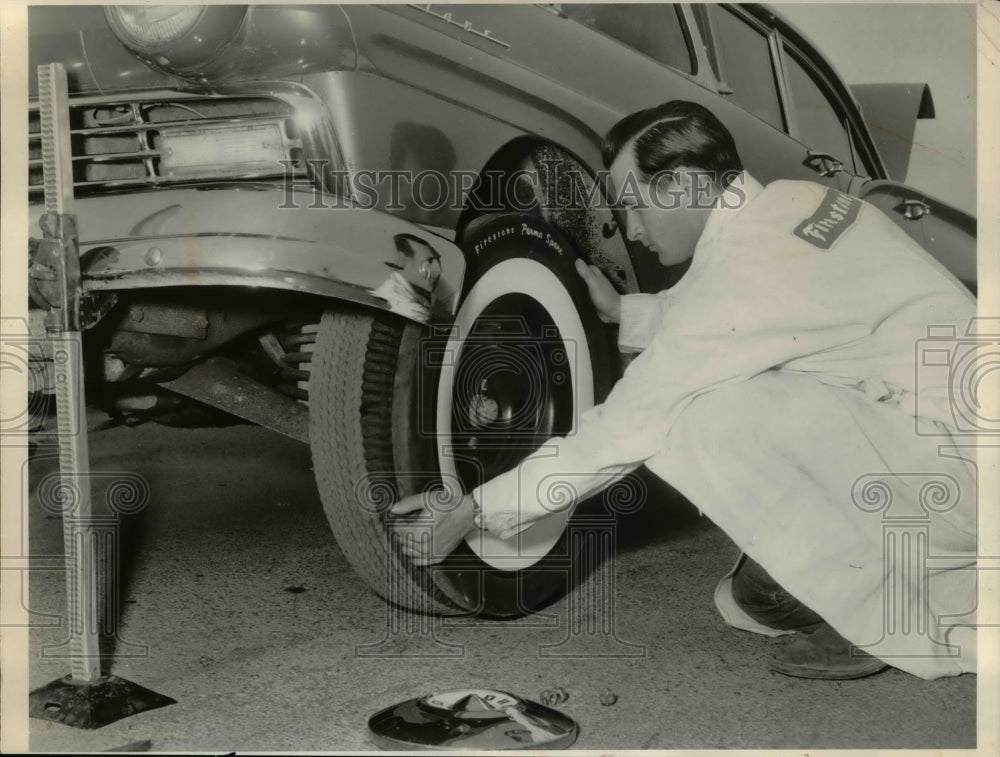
(834, 216)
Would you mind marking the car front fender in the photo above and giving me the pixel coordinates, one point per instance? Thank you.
(256, 236)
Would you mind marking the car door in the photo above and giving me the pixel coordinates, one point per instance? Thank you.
(817, 120)
(745, 53)
(834, 141)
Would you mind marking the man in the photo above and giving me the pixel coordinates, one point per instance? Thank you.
(776, 390)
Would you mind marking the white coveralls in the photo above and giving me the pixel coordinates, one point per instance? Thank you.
(777, 388)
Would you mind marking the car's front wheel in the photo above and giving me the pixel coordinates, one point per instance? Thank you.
(394, 408)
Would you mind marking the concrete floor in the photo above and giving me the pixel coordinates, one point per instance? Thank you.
(253, 622)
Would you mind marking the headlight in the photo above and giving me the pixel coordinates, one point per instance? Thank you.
(179, 39)
(152, 26)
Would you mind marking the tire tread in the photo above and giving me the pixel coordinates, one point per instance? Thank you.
(350, 426)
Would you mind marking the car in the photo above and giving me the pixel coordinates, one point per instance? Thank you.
(356, 225)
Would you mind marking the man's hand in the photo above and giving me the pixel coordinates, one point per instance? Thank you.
(430, 525)
(607, 301)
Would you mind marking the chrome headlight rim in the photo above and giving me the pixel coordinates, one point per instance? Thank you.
(125, 27)
(193, 45)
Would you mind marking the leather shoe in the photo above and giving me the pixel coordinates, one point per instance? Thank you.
(825, 654)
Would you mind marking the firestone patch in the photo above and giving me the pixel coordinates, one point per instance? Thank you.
(835, 215)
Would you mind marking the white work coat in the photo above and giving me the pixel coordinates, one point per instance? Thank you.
(794, 277)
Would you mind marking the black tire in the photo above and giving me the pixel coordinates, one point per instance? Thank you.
(378, 430)
(357, 390)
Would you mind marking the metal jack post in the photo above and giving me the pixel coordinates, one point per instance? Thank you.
(85, 698)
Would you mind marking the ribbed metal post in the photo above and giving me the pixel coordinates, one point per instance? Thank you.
(84, 698)
(82, 586)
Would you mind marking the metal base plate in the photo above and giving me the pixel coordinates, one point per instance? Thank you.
(92, 705)
(468, 719)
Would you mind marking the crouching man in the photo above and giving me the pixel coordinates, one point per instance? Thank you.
(776, 390)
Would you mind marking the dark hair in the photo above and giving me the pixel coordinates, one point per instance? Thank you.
(675, 134)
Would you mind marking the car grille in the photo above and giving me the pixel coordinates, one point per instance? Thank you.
(116, 143)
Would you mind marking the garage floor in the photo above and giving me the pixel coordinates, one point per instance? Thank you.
(253, 623)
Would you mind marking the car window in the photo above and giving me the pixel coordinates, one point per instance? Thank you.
(654, 29)
(743, 58)
(820, 127)
(700, 12)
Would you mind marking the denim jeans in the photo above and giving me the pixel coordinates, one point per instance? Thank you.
(763, 599)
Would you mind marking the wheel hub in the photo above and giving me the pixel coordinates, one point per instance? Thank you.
(484, 409)
(520, 330)
(511, 391)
